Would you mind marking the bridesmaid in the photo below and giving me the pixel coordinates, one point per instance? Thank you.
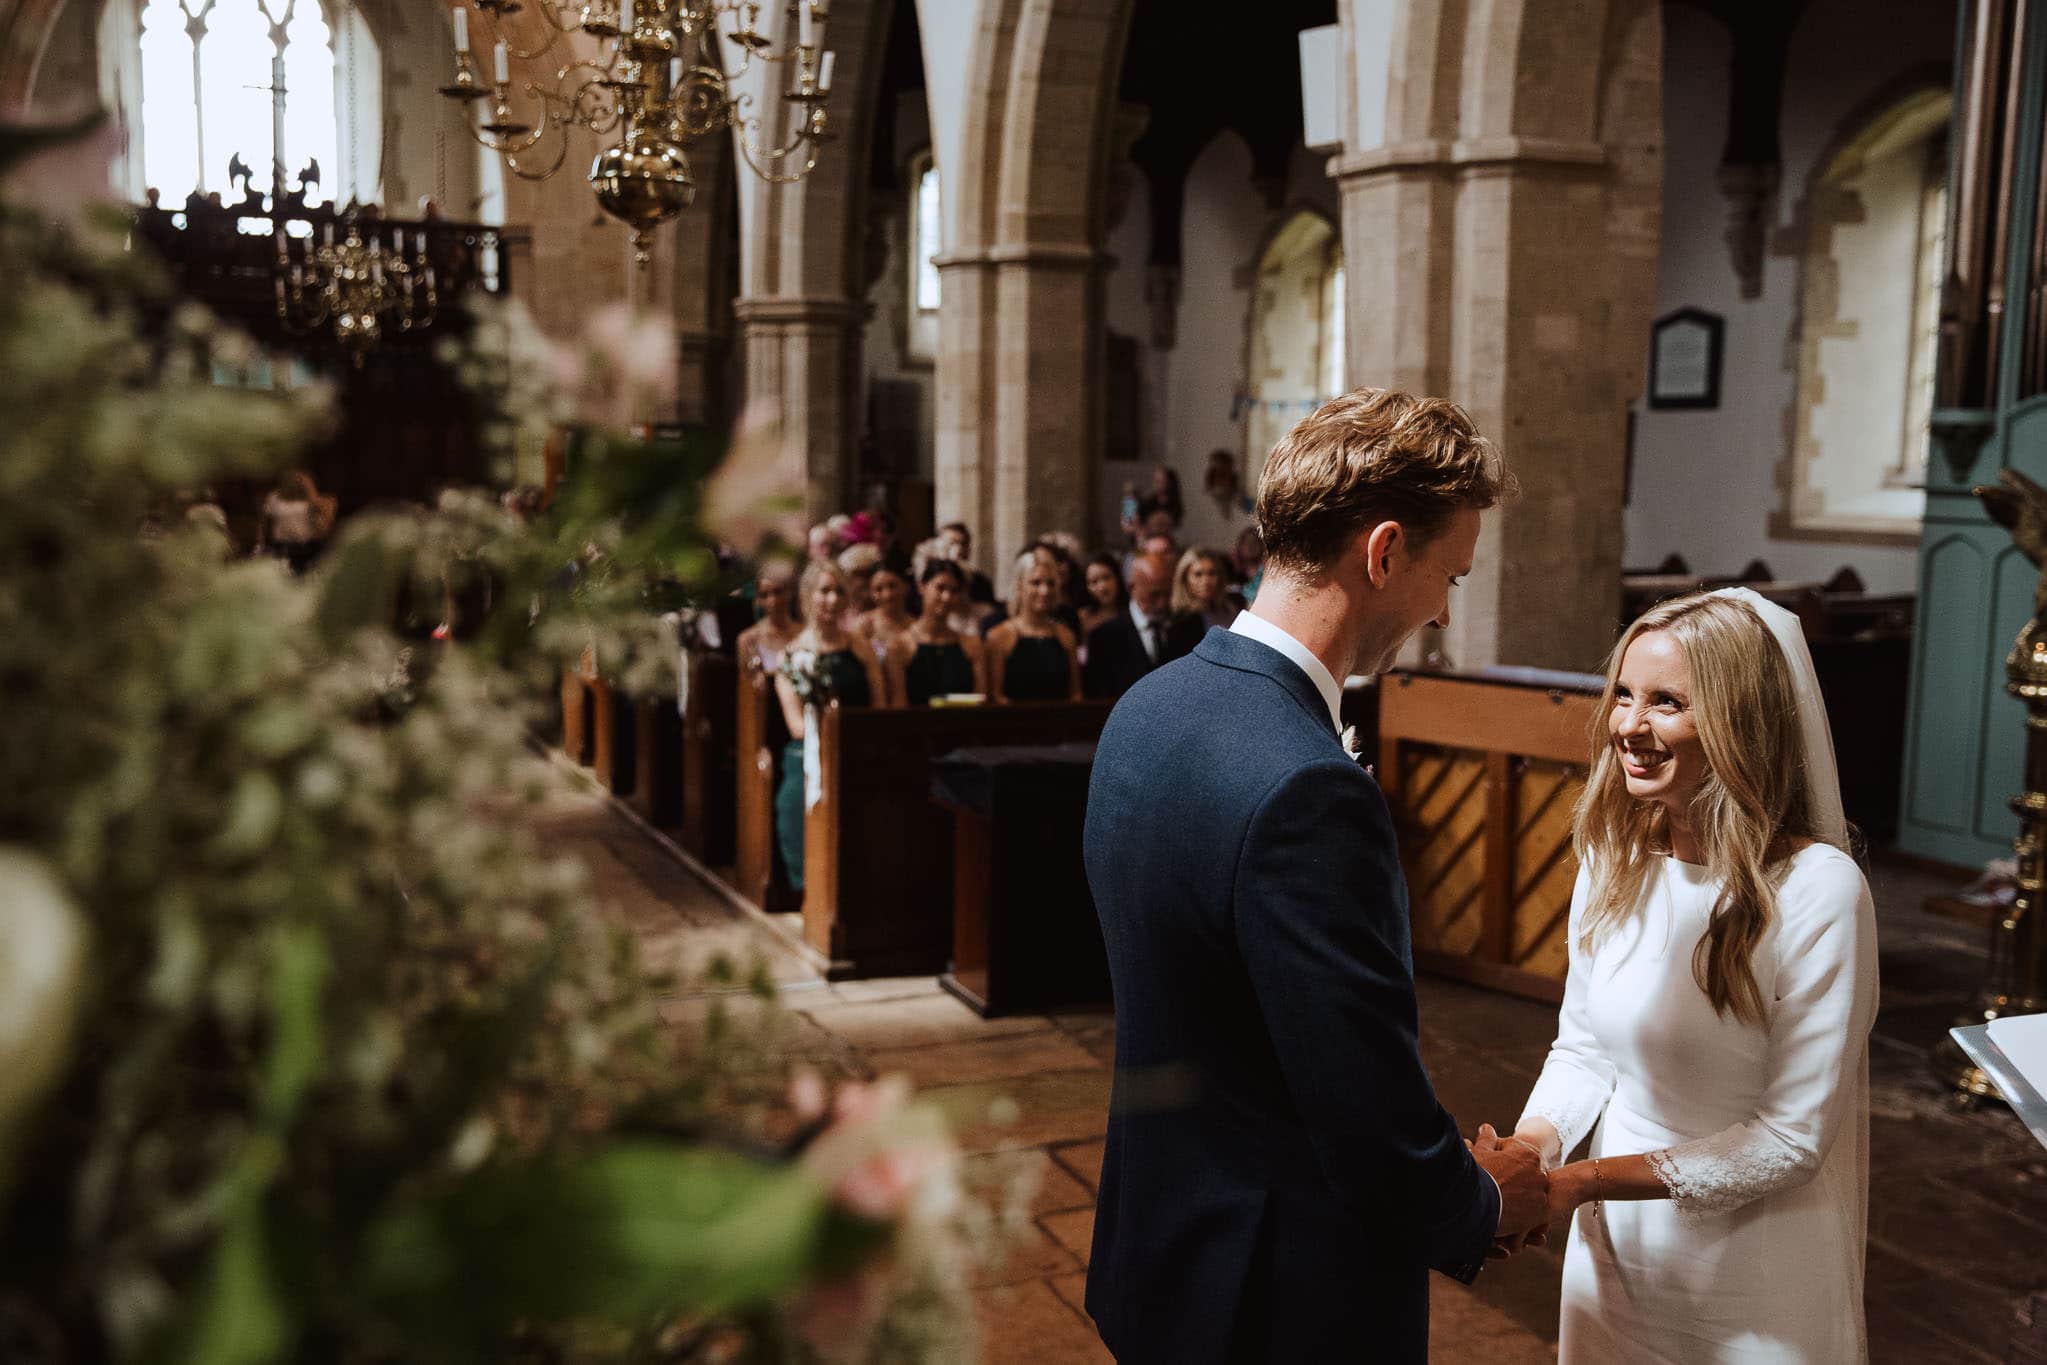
(1105, 600)
(932, 658)
(856, 681)
(774, 599)
(885, 622)
(1031, 656)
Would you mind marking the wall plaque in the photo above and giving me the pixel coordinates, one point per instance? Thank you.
(1684, 359)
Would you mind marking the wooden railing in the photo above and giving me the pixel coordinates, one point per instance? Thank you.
(1482, 775)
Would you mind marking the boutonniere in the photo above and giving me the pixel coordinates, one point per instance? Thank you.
(1350, 743)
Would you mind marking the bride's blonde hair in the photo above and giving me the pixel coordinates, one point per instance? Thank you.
(1749, 814)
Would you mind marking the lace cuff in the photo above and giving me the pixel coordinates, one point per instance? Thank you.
(1720, 1173)
(1570, 1100)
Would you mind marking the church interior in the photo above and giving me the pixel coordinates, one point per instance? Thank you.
(487, 748)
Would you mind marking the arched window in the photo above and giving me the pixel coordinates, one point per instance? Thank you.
(927, 231)
(207, 70)
(1297, 332)
(1869, 323)
(923, 234)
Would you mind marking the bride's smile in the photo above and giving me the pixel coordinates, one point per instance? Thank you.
(1655, 734)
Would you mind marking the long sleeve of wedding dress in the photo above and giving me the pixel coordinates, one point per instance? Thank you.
(1819, 1021)
(1578, 1078)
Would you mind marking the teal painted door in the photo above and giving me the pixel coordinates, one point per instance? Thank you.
(1965, 735)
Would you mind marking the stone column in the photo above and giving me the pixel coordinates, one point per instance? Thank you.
(1048, 366)
(1483, 271)
(803, 357)
(963, 397)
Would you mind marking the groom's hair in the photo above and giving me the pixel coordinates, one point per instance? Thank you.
(1369, 456)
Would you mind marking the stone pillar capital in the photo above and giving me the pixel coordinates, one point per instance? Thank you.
(1468, 156)
(800, 310)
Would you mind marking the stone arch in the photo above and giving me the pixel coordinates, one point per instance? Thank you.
(1019, 404)
(1282, 384)
(801, 264)
(1900, 135)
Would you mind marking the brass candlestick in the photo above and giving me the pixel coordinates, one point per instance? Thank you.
(2015, 980)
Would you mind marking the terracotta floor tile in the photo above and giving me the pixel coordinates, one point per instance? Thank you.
(983, 1060)
(1075, 1230)
(1053, 1188)
(1084, 1159)
(1030, 1324)
(917, 1021)
(1030, 1111)
(1073, 1289)
(1033, 1255)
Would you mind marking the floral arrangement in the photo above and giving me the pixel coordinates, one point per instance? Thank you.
(809, 676)
(307, 1051)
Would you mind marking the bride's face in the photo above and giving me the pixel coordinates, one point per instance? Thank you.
(1654, 730)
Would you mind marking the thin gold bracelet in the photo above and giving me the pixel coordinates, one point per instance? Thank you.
(1598, 1183)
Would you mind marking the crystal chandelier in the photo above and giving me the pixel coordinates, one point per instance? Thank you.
(354, 283)
(656, 75)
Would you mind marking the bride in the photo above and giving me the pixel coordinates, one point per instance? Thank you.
(1714, 1039)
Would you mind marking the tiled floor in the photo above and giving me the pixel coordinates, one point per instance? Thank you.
(1958, 1199)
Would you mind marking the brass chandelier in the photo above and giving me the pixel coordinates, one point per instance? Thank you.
(354, 283)
(657, 77)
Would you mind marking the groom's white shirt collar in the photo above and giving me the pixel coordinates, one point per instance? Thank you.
(1272, 637)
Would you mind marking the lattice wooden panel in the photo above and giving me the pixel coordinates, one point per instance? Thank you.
(1442, 807)
(1544, 867)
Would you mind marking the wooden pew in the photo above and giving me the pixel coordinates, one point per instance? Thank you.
(708, 789)
(1482, 775)
(878, 852)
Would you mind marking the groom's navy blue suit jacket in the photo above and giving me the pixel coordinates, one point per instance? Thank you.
(1279, 1175)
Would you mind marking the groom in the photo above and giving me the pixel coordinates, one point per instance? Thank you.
(1279, 1176)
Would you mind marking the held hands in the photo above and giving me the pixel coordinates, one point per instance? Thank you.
(1516, 1164)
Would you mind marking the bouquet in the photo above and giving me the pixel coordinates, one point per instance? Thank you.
(808, 674)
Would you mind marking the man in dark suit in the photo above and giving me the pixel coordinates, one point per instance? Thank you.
(1279, 1177)
(1133, 642)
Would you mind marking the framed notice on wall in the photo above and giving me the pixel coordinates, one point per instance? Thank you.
(1684, 359)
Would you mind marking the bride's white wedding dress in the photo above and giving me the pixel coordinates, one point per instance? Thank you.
(1759, 1131)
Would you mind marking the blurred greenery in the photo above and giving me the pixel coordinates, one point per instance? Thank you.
(348, 1070)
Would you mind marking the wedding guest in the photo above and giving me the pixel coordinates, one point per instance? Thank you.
(820, 542)
(761, 644)
(295, 521)
(1133, 642)
(858, 563)
(932, 658)
(1200, 600)
(1163, 499)
(980, 588)
(1032, 655)
(1064, 552)
(1248, 560)
(1157, 539)
(1714, 1038)
(886, 619)
(847, 664)
(1103, 579)
(892, 552)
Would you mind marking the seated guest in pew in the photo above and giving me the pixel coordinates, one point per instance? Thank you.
(1133, 642)
(774, 601)
(932, 658)
(856, 681)
(1201, 598)
(885, 621)
(1031, 655)
(1103, 581)
(858, 563)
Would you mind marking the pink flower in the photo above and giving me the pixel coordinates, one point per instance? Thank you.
(757, 490)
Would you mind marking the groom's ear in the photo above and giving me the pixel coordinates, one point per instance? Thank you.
(1379, 545)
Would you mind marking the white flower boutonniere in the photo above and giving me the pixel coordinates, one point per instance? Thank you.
(1350, 743)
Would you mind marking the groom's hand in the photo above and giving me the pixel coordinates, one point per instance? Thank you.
(1524, 1188)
